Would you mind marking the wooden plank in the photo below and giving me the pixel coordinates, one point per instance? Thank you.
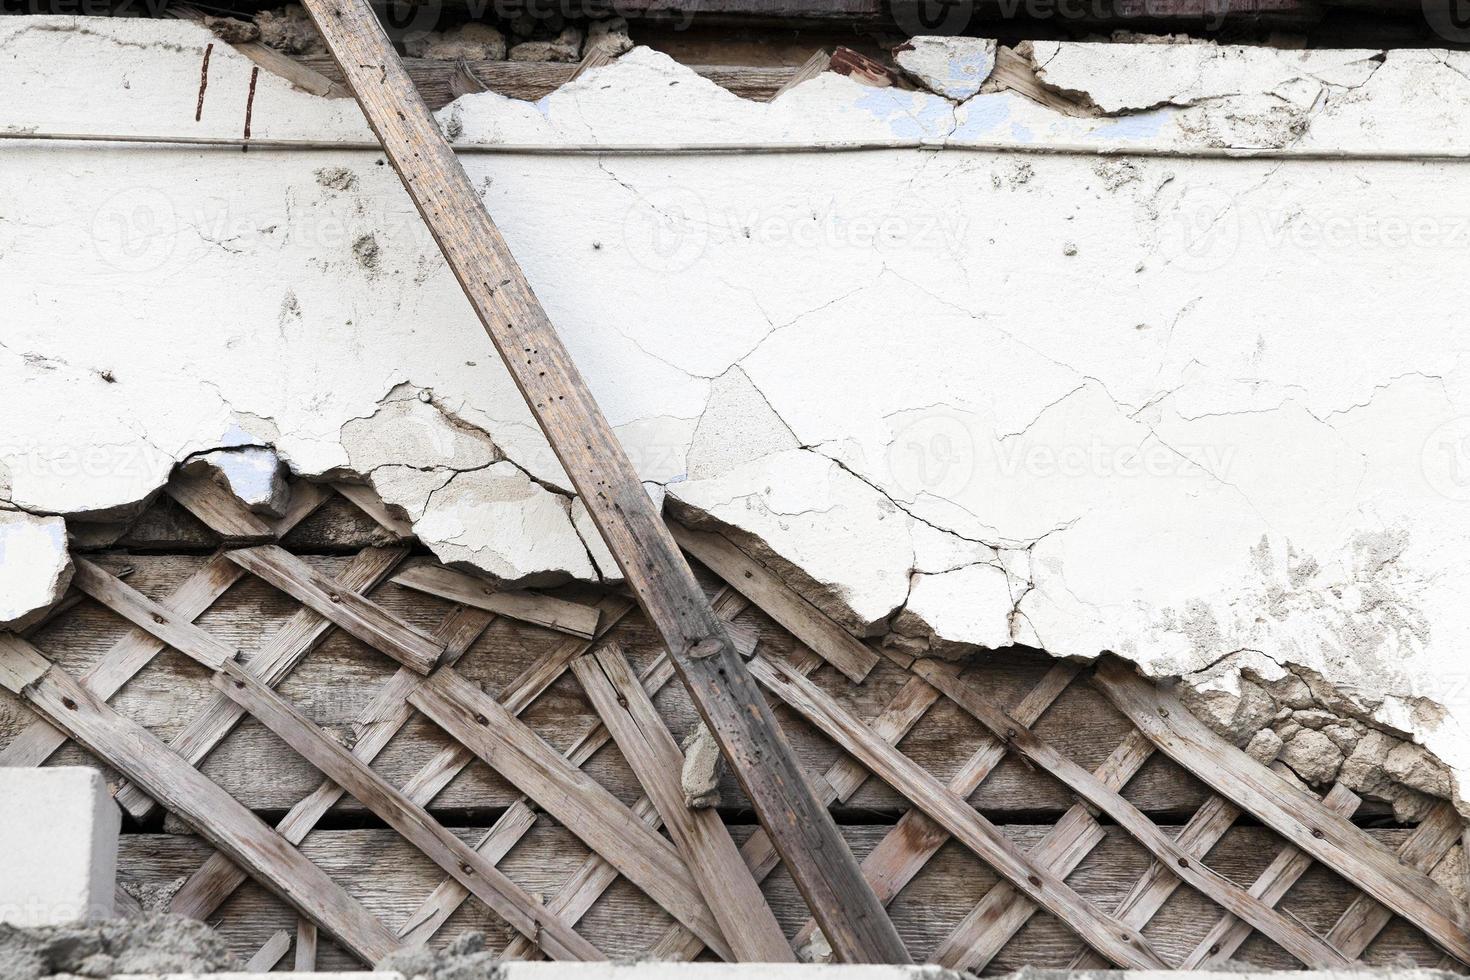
(534, 80)
(211, 811)
(1365, 918)
(219, 509)
(714, 673)
(776, 599)
(367, 501)
(270, 953)
(351, 611)
(1121, 944)
(305, 959)
(1294, 814)
(1227, 935)
(996, 919)
(811, 68)
(485, 881)
(1294, 937)
(700, 835)
(207, 888)
(132, 605)
(137, 648)
(915, 839)
(529, 607)
(285, 649)
(570, 796)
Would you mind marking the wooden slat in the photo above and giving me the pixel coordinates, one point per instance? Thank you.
(305, 958)
(211, 811)
(1121, 944)
(207, 888)
(529, 607)
(485, 881)
(761, 586)
(721, 687)
(904, 850)
(351, 611)
(1296, 815)
(596, 816)
(219, 509)
(365, 500)
(1365, 918)
(132, 605)
(712, 857)
(287, 648)
(270, 953)
(137, 648)
(1294, 937)
(1285, 870)
(992, 923)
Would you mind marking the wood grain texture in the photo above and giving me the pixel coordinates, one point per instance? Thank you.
(219, 509)
(209, 810)
(1121, 944)
(1291, 812)
(152, 617)
(485, 881)
(351, 611)
(282, 653)
(367, 501)
(530, 607)
(712, 857)
(710, 667)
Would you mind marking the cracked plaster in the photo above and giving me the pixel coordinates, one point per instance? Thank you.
(1207, 413)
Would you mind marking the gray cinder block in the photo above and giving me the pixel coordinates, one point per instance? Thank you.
(58, 846)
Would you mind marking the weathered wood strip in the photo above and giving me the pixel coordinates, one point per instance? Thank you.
(365, 500)
(714, 861)
(903, 851)
(351, 611)
(1365, 918)
(1296, 815)
(569, 795)
(136, 649)
(219, 509)
(270, 953)
(776, 599)
(211, 811)
(992, 923)
(1286, 869)
(282, 653)
(1294, 937)
(529, 607)
(207, 888)
(631, 526)
(176, 631)
(1120, 943)
(305, 958)
(485, 881)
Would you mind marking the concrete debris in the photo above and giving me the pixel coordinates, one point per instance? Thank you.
(289, 29)
(35, 566)
(1264, 746)
(566, 46)
(468, 42)
(151, 944)
(255, 475)
(700, 778)
(608, 37)
(1313, 756)
(232, 30)
(464, 958)
(954, 67)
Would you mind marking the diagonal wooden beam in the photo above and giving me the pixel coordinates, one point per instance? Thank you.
(815, 853)
(1293, 813)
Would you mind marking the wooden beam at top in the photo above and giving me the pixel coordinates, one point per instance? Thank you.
(719, 683)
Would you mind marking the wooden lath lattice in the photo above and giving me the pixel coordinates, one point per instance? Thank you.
(709, 887)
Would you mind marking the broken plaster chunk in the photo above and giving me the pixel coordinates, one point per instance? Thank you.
(954, 67)
(700, 778)
(1313, 756)
(1232, 706)
(290, 30)
(1413, 766)
(253, 474)
(1264, 746)
(232, 30)
(566, 46)
(607, 566)
(35, 566)
(960, 610)
(468, 42)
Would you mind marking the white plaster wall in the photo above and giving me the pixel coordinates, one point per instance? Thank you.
(1180, 407)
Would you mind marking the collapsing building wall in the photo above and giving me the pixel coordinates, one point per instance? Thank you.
(1065, 375)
